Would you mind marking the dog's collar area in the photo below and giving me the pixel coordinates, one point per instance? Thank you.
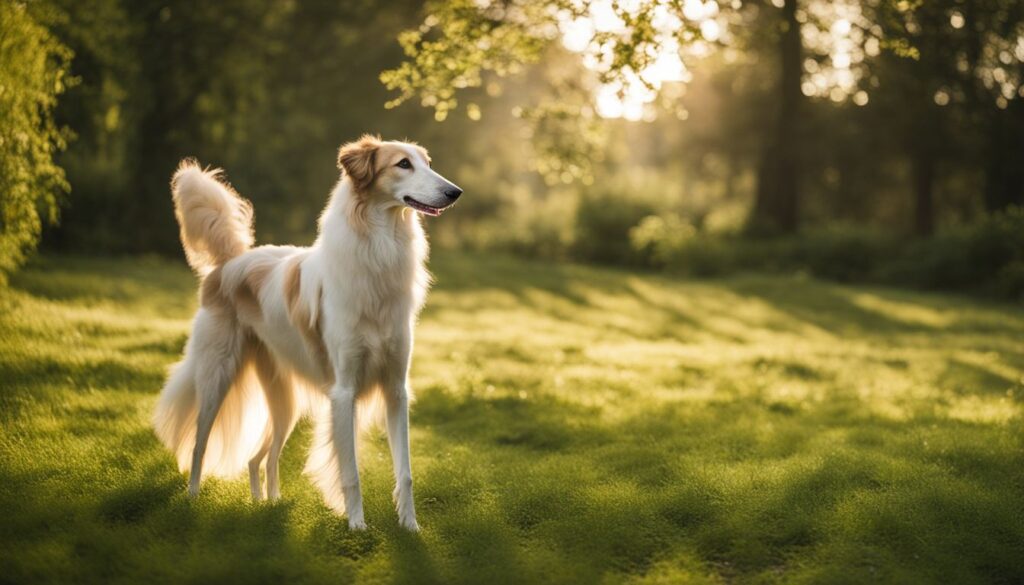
(423, 207)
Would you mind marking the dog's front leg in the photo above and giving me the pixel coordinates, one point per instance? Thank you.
(398, 438)
(343, 416)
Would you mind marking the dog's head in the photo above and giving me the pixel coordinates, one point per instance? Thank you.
(396, 174)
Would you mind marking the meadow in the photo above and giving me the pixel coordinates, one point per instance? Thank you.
(572, 425)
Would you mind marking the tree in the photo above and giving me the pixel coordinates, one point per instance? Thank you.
(33, 72)
(961, 87)
(992, 45)
(777, 201)
(461, 43)
(267, 90)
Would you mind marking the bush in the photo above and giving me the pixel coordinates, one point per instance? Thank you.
(987, 255)
(660, 238)
(1009, 283)
(843, 252)
(712, 256)
(603, 224)
(33, 71)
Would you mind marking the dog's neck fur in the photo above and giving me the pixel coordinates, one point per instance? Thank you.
(381, 239)
(348, 214)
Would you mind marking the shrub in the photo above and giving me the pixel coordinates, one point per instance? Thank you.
(33, 71)
(711, 256)
(660, 238)
(1009, 282)
(986, 255)
(603, 224)
(843, 252)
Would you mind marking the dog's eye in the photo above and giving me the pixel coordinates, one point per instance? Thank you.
(404, 163)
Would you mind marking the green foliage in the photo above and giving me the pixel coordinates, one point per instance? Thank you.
(601, 427)
(661, 237)
(604, 219)
(986, 255)
(844, 252)
(267, 90)
(905, 54)
(567, 139)
(33, 72)
(458, 42)
(542, 228)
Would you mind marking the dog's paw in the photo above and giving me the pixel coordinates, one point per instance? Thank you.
(193, 491)
(356, 524)
(409, 524)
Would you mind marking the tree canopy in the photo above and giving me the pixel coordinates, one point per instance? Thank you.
(832, 50)
(754, 117)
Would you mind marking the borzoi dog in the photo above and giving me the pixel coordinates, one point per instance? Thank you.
(327, 328)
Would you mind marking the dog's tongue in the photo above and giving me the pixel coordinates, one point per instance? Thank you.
(424, 208)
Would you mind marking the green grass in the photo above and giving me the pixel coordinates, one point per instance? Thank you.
(572, 425)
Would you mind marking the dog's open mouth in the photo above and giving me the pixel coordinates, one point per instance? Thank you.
(423, 207)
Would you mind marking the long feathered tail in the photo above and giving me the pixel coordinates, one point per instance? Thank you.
(216, 223)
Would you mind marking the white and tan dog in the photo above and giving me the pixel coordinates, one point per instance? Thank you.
(327, 328)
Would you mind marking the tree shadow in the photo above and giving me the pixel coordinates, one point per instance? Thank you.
(124, 281)
(613, 298)
(840, 309)
(101, 373)
(541, 423)
(964, 379)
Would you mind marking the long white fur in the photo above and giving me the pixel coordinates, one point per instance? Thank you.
(361, 286)
(234, 438)
(216, 224)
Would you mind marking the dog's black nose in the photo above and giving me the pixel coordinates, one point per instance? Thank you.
(453, 193)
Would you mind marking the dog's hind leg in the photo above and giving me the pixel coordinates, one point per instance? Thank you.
(255, 485)
(219, 351)
(277, 386)
(212, 393)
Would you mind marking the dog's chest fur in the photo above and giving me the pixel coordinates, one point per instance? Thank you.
(377, 283)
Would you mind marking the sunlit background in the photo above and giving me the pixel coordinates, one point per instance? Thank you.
(733, 294)
(643, 133)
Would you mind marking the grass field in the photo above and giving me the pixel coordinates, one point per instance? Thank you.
(572, 425)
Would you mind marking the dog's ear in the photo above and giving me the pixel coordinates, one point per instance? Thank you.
(359, 160)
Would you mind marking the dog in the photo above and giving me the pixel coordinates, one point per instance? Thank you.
(283, 330)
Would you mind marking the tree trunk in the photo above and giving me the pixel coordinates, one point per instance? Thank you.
(1004, 156)
(923, 171)
(777, 203)
(1004, 168)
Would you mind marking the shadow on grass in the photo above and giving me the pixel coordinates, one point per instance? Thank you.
(874, 312)
(835, 308)
(967, 379)
(747, 486)
(526, 484)
(79, 375)
(541, 423)
(88, 280)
